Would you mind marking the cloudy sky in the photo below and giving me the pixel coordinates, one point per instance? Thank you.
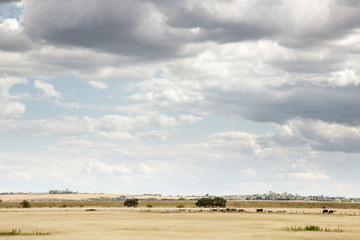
(180, 97)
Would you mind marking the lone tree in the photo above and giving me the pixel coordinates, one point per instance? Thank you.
(219, 202)
(211, 202)
(131, 202)
(204, 202)
(25, 204)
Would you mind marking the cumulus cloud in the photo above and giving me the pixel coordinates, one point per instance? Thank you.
(127, 27)
(188, 118)
(319, 135)
(97, 84)
(108, 126)
(47, 88)
(12, 39)
(10, 108)
(107, 169)
(309, 176)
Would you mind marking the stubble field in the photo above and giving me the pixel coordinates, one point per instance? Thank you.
(119, 223)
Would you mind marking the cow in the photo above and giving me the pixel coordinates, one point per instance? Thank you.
(325, 211)
(259, 210)
(331, 211)
(241, 210)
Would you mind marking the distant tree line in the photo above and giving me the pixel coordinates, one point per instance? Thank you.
(67, 191)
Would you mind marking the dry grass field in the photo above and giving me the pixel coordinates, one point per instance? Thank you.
(132, 224)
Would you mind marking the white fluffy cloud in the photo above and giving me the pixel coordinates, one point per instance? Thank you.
(10, 108)
(110, 126)
(47, 88)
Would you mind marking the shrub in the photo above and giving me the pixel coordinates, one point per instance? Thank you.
(310, 228)
(25, 204)
(131, 202)
(15, 232)
(149, 205)
(180, 205)
(313, 228)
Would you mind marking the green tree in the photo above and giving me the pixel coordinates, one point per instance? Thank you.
(204, 202)
(25, 204)
(219, 202)
(211, 202)
(131, 202)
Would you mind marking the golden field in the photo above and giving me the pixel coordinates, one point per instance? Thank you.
(133, 224)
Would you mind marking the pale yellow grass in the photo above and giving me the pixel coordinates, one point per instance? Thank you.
(135, 225)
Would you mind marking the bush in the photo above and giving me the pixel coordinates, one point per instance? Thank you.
(180, 205)
(149, 205)
(131, 202)
(25, 204)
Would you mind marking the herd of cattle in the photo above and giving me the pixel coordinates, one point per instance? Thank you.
(223, 210)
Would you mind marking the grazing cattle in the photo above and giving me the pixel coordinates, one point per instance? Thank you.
(270, 211)
(214, 210)
(241, 210)
(228, 209)
(222, 210)
(331, 211)
(259, 210)
(325, 211)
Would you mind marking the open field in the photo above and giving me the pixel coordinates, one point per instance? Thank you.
(106, 223)
(188, 204)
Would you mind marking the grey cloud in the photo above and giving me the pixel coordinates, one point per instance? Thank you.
(160, 29)
(317, 135)
(13, 41)
(123, 27)
(217, 28)
(329, 104)
(8, 1)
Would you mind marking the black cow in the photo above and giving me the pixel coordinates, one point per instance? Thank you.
(259, 210)
(325, 211)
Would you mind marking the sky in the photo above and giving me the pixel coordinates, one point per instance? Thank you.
(184, 97)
